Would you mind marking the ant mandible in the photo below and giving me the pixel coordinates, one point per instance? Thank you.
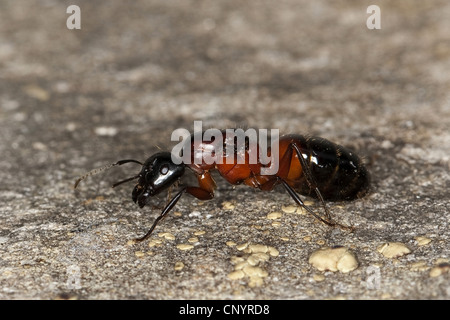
(311, 166)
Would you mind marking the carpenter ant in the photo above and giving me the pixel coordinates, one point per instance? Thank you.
(311, 166)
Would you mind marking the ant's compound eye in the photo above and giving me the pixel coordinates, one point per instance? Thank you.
(164, 169)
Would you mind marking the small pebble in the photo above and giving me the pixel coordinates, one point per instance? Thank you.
(440, 269)
(236, 259)
(166, 235)
(393, 249)
(193, 240)
(184, 246)
(71, 126)
(254, 248)
(195, 213)
(309, 203)
(227, 205)
(318, 277)
(106, 131)
(274, 215)
(241, 265)
(253, 271)
(256, 258)
(333, 259)
(179, 266)
(441, 260)
(289, 209)
(255, 282)
(235, 275)
(422, 241)
(386, 144)
(273, 252)
(139, 254)
(242, 246)
(39, 146)
(252, 261)
(154, 242)
(199, 233)
(230, 243)
(37, 92)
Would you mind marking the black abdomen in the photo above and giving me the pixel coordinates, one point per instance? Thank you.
(339, 173)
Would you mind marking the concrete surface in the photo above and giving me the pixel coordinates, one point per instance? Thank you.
(74, 100)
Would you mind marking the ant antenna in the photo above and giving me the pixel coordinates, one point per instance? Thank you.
(121, 162)
(108, 166)
(126, 180)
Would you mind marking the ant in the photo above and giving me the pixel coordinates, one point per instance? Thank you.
(311, 166)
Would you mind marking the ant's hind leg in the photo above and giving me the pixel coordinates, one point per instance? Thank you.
(299, 201)
(312, 185)
(285, 164)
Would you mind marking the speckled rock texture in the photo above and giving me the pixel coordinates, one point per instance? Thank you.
(74, 100)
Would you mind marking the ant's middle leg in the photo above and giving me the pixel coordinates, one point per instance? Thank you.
(310, 179)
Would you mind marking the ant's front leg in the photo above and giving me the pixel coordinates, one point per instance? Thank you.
(204, 192)
(165, 211)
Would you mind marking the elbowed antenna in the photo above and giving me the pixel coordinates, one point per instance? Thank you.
(108, 166)
(121, 162)
(126, 180)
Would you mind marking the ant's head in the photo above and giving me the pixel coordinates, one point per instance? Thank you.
(157, 174)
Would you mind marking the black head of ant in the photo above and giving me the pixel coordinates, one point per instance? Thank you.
(158, 173)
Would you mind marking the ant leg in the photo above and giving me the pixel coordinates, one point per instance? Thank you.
(166, 210)
(299, 201)
(199, 193)
(285, 164)
(310, 179)
(313, 185)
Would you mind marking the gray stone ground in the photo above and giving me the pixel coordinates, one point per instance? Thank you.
(74, 100)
